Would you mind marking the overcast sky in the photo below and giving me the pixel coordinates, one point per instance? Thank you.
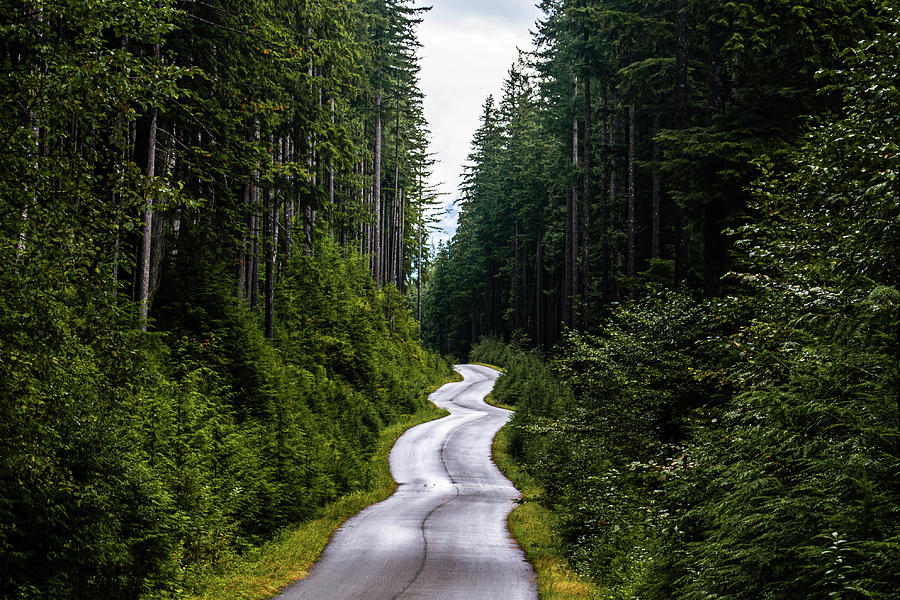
(468, 46)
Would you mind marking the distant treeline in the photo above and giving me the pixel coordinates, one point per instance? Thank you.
(623, 153)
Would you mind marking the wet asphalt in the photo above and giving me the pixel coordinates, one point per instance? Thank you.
(443, 534)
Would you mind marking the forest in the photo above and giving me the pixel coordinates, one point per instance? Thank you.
(679, 235)
(211, 214)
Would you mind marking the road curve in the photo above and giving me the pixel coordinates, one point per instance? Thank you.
(443, 534)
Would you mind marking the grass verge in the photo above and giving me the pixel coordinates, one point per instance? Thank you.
(261, 573)
(530, 524)
(489, 399)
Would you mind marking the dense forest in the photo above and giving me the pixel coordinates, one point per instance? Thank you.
(210, 213)
(680, 233)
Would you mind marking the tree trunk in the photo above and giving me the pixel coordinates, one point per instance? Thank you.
(309, 226)
(715, 244)
(567, 275)
(570, 284)
(630, 265)
(586, 202)
(604, 208)
(254, 255)
(656, 217)
(419, 277)
(400, 230)
(377, 184)
(576, 220)
(331, 165)
(613, 193)
(288, 204)
(539, 289)
(161, 222)
(242, 249)
(147, 237)
(269, 243)
(681, 122)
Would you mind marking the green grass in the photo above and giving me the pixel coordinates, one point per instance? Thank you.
(530, 524)
(489, 399)
(261, 573)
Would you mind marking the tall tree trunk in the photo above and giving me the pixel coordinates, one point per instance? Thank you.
(309, 226)
(604, 205)
(35, 134)
(630, 265)
(613, 197)
(147, 237)
(516, 280)
(399, 253)
(681, 122)
(377, 184)
(570, 285)
(586, 202)
(576, 219)
(714, 243)
(254, 253)
(539, 289)
(656, 217)
(242, 249)
(162, 221)
(568, 267)
(419, 276)
(331, 164)
(271, 219)
(288, 203)
(253, 291)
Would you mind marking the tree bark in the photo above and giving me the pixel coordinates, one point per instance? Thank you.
(253, 291)
(400, 231)
(331, 165)
(604, 207)
(570, 285)
(714, 242)
(586, 201)
(377, 184)
(681, 122)
(270, 222)
(630, 264)
(288, 157)
(419, 276)
(147, 237)
(656, 209)
(162, 220)
(254, 255)
(242, 249)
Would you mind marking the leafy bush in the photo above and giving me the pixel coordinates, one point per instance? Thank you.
(130, 461)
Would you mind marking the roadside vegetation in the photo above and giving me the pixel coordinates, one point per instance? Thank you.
(531, 524)
(205, 259)
(260, 574)
(679, 237)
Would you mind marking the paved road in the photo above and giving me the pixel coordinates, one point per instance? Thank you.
(443, 534)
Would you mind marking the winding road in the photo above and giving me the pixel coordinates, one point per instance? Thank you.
(442, 535)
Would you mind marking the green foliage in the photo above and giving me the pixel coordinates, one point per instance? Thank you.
(166, 454)
(746, 447)
(130, 462)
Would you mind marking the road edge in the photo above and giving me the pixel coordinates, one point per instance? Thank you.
(530, 525)
(263, 572)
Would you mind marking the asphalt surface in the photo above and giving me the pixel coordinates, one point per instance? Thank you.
(443, 534)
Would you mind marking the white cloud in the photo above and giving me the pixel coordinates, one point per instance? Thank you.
(468, 47)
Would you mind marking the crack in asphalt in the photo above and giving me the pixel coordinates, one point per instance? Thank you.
(424, 524)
